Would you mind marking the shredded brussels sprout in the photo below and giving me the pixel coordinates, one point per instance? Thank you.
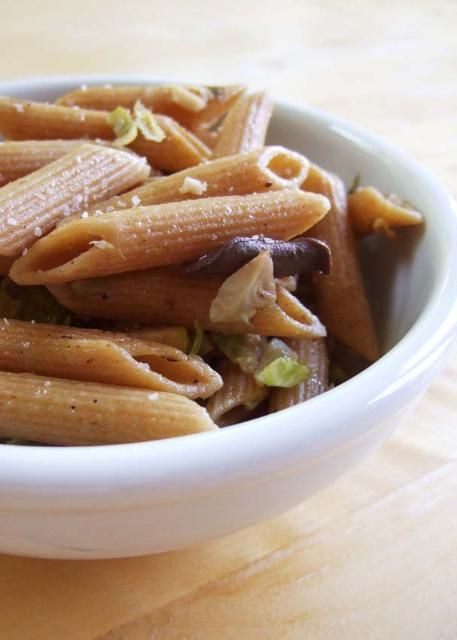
(283, 372)
(245, 351)
(147, 123)
(245, 291)
(123, 126)
(198, 339)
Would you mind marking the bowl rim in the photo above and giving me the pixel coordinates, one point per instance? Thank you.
(130, 474)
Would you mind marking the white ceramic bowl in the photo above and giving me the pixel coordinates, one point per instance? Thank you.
(125, 500)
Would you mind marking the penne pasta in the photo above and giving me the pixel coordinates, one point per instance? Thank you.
(268, 169)
(163, 234)
(68, 412)
(370, 212)
(166, 99)
(289, 316)
(312, 353)
(191, 106)
(205, 123)
(172, 296)
(240, 391)
(178, 150)
(18, 159)
(177, 337)
(102, 356)
(31, 206)
(5, 265)
(25, 120)
(245, 125)
(342, 304)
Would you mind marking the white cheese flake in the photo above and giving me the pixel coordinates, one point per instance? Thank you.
(194, 186)
(101, 244)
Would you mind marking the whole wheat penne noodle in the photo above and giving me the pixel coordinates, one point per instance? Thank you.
(68, 412)
(237, 415)
(177, 337)
(25, 120)
(163, 234)
(102, 356)
(190, 106)
(31, 206)
(239, 390)
(172, 296)
(5, 265)
(206, 123)
(245, 125)
(166, 99)
(342, 304)
(222, 98)
(289, 316)
(370, 211)
(18, 159)
(268, 169)
(312, 353)
(178, 150)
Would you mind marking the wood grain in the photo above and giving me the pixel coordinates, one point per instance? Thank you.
(374, 556)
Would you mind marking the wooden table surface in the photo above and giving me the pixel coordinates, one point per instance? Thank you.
(374, 556)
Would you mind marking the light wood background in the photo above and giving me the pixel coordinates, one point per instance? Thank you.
(374, 556)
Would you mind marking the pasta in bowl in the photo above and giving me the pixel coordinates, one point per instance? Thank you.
(169, 270)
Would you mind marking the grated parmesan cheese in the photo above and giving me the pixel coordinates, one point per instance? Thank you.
(101, 244)
(193, 186)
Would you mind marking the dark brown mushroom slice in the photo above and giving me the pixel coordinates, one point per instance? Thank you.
(298, 256)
